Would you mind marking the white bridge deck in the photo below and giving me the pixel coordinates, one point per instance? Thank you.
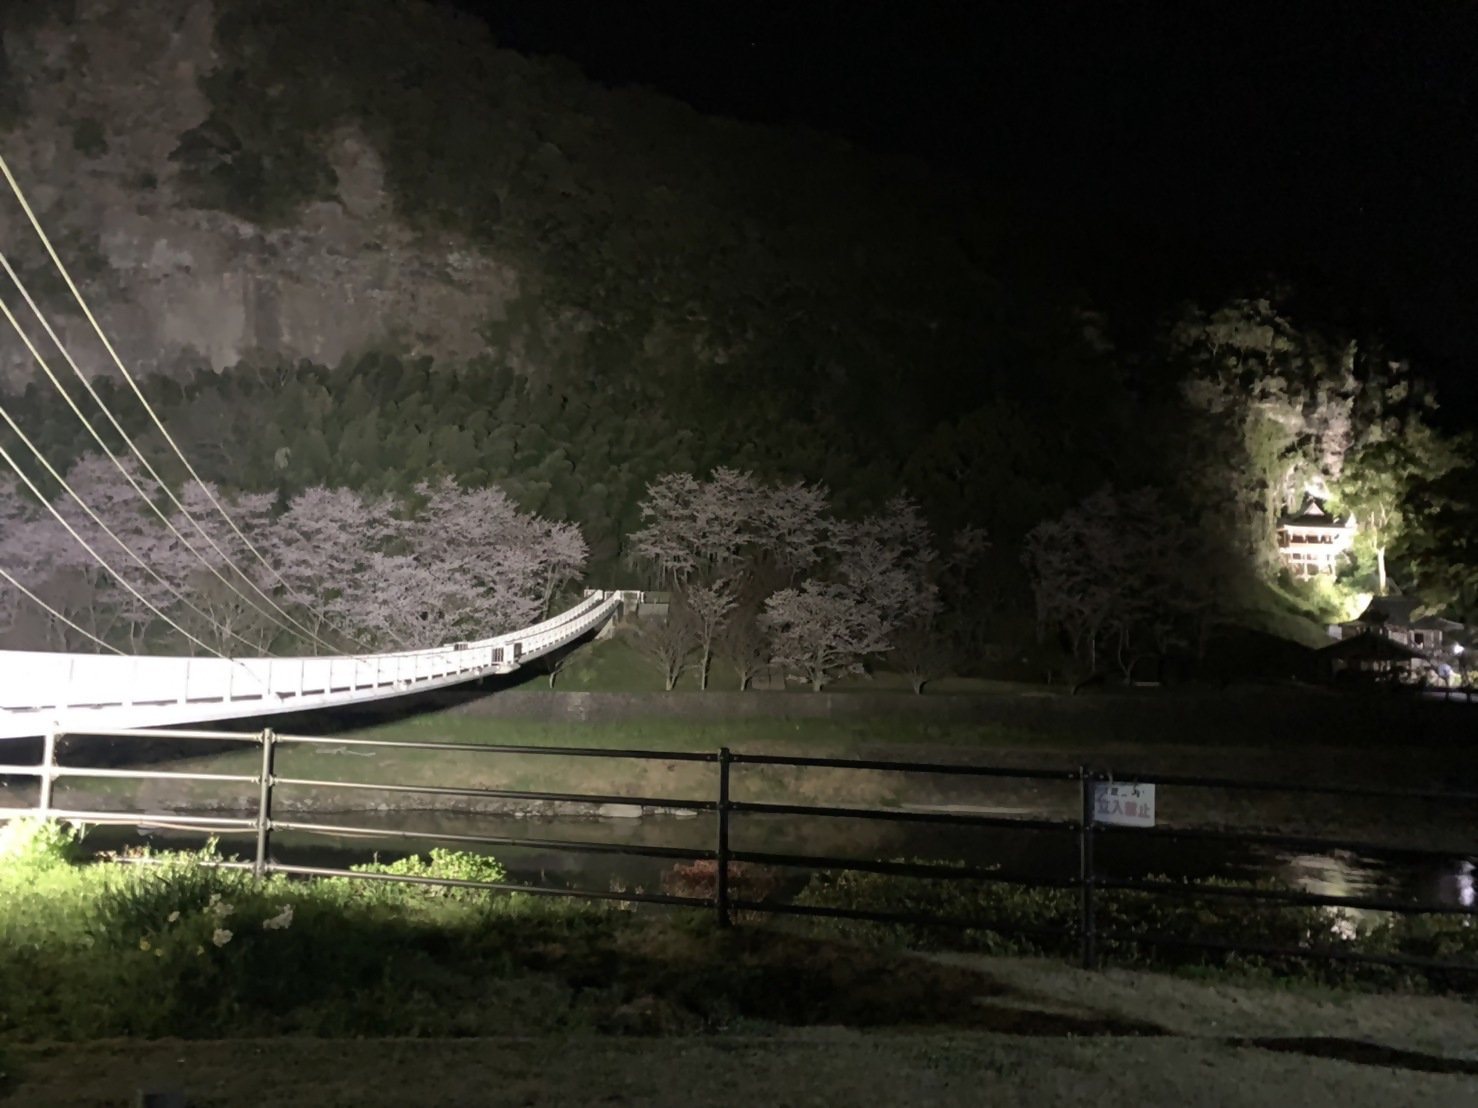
(41, 692)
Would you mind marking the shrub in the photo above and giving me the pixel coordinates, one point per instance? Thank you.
(700, 880)
(134, 902)
(1003, 910)
(31, 844)
(446, 865)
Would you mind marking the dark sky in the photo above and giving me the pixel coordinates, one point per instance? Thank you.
(1164, 144)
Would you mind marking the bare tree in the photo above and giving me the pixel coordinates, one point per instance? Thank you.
(923, 651)
(669, 644)
(742, 643)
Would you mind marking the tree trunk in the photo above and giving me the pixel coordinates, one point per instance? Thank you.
(1380, 570)
(703, 668)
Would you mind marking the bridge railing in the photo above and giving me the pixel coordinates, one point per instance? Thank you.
(39, 683)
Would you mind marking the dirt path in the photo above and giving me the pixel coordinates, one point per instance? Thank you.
(823, 1067)
(1197, 1043)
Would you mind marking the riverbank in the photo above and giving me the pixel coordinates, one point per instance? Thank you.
(1394, 822)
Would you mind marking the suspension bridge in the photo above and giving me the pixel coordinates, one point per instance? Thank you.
(45, 692)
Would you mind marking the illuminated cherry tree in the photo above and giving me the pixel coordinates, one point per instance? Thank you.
(711, 530)
(226, 582)
(320, 547)
(710, 607)
(823, 631)
(453, 564)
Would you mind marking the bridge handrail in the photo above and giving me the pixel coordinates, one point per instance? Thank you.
(145, 690)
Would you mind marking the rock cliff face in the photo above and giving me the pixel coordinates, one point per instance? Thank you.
(105, 92)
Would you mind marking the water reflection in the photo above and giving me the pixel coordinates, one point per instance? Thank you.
(1027, 855)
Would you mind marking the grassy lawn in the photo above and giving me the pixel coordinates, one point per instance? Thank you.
(615, 665)
(611, 776)
(147, 968)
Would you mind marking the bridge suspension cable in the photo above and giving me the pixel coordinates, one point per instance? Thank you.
(49, 610)
(87, 546)
(158, 423)
(15, 325)
(96, 519)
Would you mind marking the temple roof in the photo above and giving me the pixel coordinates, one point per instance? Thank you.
(1398, 611)
(1311, 515)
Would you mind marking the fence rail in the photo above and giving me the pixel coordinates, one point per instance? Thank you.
(1083, 831)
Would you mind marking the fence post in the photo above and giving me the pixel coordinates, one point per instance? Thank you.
(264, 804)
(721, 886)
(1086, 921)
(48, 772)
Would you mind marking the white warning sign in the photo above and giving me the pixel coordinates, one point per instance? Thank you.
(1127, 803)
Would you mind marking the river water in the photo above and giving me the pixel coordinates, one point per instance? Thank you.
(1031, 855)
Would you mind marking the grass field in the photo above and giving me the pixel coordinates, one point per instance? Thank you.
(117, 979)
(615, 665)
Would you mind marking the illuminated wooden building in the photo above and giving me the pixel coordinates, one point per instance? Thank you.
(1311, 542)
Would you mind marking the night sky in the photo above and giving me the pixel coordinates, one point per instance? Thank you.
(1164, 150)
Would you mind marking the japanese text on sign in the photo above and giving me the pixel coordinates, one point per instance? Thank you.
(1127, 803)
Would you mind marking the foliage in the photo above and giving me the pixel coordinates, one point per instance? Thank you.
(33, 845)
(1007, 912)
(747, 882)
(89, 138)
(1001, 910)
(1380, 479)
(1438, 548)
(443, 865)
(1122, 572)
(823, 631)
(449, 564)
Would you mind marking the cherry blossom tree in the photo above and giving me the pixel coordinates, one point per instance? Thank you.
(562, 552)
(1123, 572)
(709, 607)
(225, 581)
(126, 531)
(463, 564)
(793, 526)
(728, 525)
(888, 561)
(320, 547)
(823, 631)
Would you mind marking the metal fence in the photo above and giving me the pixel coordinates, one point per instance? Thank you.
(1084, 831)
